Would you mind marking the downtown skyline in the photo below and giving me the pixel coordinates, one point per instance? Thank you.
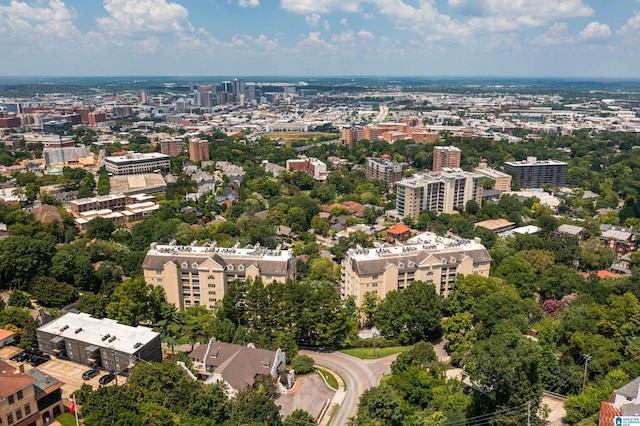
(543, 38)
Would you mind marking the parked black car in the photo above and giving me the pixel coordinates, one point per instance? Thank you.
(90, 374)
(107, 378)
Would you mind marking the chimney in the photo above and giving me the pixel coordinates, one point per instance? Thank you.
(21, 368)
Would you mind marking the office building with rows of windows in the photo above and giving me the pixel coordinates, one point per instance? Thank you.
(429, 258)
(200, 275)
(137, 164)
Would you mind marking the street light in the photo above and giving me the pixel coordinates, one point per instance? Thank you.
(374, 331)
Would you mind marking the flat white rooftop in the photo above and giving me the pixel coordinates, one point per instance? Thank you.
(426, 241)
(208, 250)
(93, 330)
(136, 157)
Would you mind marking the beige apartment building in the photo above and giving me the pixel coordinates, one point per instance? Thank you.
(440, 192)
(199, 275)
(435, 260)
(502, 181)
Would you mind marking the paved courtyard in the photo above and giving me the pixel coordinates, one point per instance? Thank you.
(311, 397)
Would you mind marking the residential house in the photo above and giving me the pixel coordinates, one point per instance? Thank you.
(624, 401)
(576, 231)
(621, 240)
(398, 232)
(236, 365)
(31, 398)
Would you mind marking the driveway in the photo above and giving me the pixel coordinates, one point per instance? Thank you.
(359, 375)
(311, 397)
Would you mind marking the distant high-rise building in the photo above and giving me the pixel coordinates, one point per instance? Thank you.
(143, 98)
(534, 174)
(384, 170)
(171, 147)
(227, 86)
(238, 87)
(198, 149)
(445, 157)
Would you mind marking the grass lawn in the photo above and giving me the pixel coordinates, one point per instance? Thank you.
(367, 353)
(67, 419)
(329, 377)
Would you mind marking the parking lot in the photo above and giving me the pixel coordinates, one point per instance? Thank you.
(67, 372)
(311, 397)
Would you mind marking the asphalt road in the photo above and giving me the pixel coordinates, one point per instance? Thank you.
(358, 374)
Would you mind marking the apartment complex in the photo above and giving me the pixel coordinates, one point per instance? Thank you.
(384, 170)
(198, 149)
(100, 343)
(199, 275)
(120, 209)
(389, 132)
(446, 157)
(311, 166)
(502, 181)
(534, 173)
(441, 192)
(137, 164)
(432, 259)
(32, 398)
(171, 147)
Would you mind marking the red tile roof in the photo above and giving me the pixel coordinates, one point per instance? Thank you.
(608, 413)
(12, 380)
(5, 333)
(398, 229)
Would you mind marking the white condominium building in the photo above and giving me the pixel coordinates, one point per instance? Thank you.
(199, 275)
(431, 259)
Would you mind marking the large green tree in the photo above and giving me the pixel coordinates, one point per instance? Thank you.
(410, 315)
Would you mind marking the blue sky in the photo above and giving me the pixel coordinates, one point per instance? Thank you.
(526, 38)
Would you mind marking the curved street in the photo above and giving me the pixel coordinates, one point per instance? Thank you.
(359, 375)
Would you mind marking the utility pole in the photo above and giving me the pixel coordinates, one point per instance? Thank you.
(587, 358)
(528, 413)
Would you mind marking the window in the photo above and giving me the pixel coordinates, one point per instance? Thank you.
(27, 409)
(269, 278)
(212, 286)
(20, 395)
(11, 399)
(19, 414)
(9, 419)
(374, 284)
(229, 267)
(159, 280)
(211, 277)
(375, 277)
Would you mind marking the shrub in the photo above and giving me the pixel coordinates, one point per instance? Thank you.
(302, 364)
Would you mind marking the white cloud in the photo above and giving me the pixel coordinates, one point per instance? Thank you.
(365, 34)
(312, 19)
(527, 12)
(595, 31)
(248, 42)
(143, 16)
(343, 21)
(320, 6)
(326, 25)
(556, 34)
(314, 39)
(248, 3)
(631, 30)
(40, 23)
(343, 37)
(150, 24)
